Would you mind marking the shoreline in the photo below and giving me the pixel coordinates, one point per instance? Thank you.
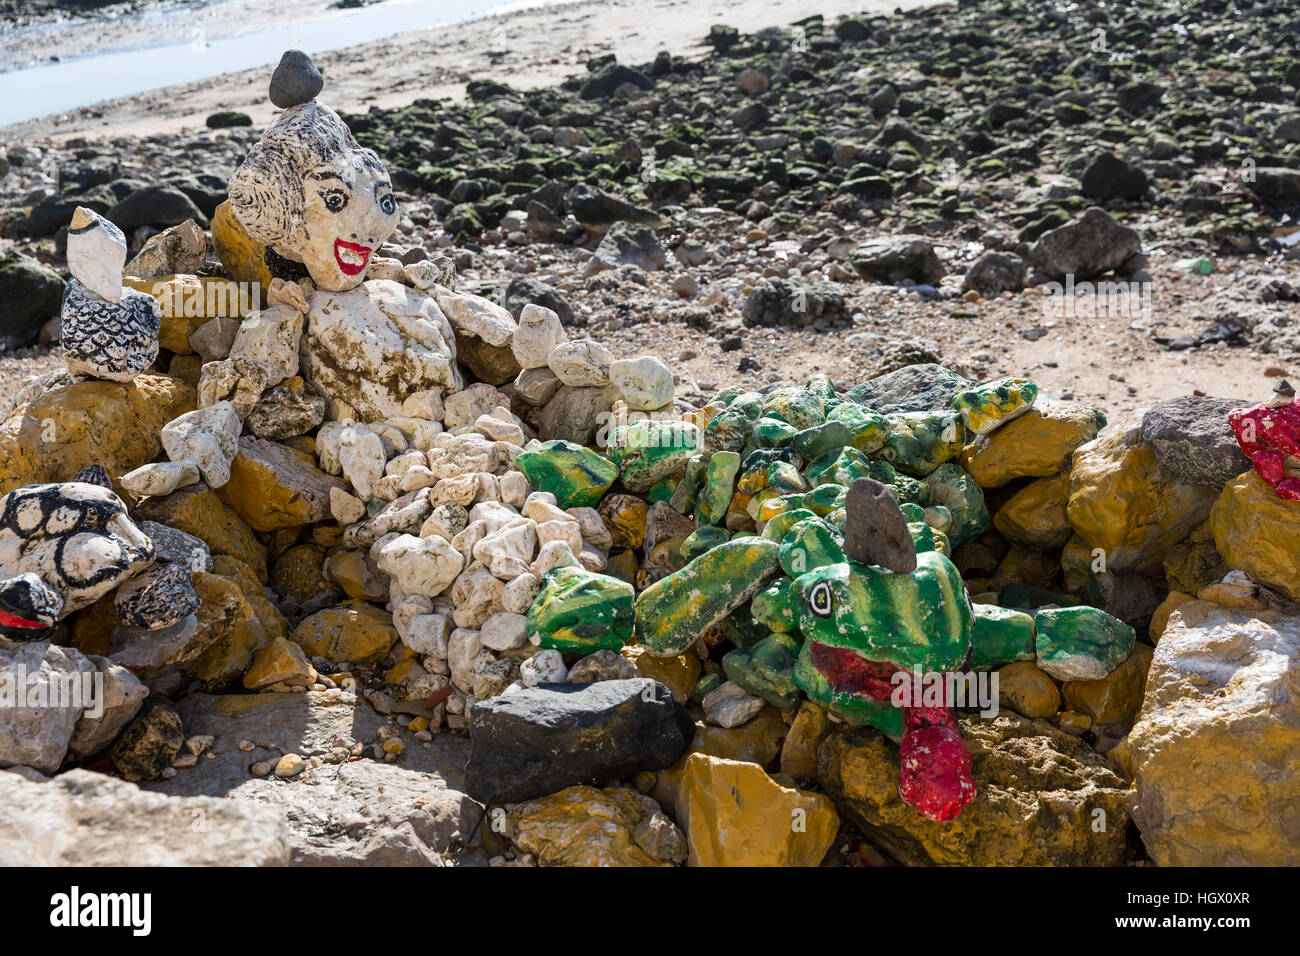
(543, 46)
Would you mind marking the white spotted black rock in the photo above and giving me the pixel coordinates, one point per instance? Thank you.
(157, 598)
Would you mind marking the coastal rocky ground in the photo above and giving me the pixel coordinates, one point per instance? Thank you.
(829, 235)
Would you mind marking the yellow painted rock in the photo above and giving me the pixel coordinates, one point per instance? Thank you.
(1033, 445)
(1160, 616)
(1035, 515)
(1194, 562)
(198, 511)
(1117, 696)
(734, 814)
(1122, 502)
(231, 654)
(758, 740)
(1215, 744)
(624, 516)
(114, 424)
(799, 752)
(272, 486)
(583, 826)
(222, 612)
(1259, 533)
(188, 302)
(299, 573)
(357, 576)
(356, 633)
(243, 257)
(678, 674)
(1028, 691)
(622, 565)
(280, 662)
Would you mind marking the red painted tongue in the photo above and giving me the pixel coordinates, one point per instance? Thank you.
(934, 773)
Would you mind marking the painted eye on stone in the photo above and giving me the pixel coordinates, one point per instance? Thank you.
(335, 200)
(820, 599)
(388, 204)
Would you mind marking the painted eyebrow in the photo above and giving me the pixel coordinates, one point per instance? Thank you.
(328, 175)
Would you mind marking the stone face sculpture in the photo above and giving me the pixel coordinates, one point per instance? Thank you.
(107, 331)
(29, 608)
(314, 196)
(1269, 434)
(76, 537)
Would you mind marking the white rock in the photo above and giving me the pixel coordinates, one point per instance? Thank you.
(497, 430)
(567, 531)
(404, 462)
(271, 337)
(514, 488)
(96, 253)
(465, 406)
(361, 458)
(427, 635)
(541, 510)
(520, 592)
(408, 608)
(539, 332)
(730, 705)
(553, 554)
(591, 559)
(488, 489)
(421, 565)
(160, 477)
(209, 437)
(463, 647)
(477, 596)
(593, 528)
(503, 631)
(474, 315)
(645, 383)
(581, 362)
(374, 345)
(346, 508)
(419, 432)
(516, 540)
(544, 667)
(425, 404)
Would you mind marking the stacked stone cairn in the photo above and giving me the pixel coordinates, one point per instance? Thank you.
(379, 484)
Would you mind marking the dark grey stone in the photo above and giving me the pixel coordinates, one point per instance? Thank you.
(875, 531)
(537, 741)
(1192, 440)
(1089, 246)
(914, 388)
(296, 80)
(897, 259)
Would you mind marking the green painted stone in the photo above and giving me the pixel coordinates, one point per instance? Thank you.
(730, 428)
(1000, 636)
(823, 388)
(578, 611)
(797, 406)
(706, 685)
(673, 612)
(719, 486)
(916, 620)
(662, 490)
(701, 540)
(649, 450)
(810, 543)
(772, 433)
(957, 491)
(785, 478)
(848, 703)
(1080, 643)
(869, 430)
(687, 493)
(756, 468)
(824, 499)
(988, 406)
(772, 606)
(766, 670)
(841, 467)
(777, 528)
(903, 487)
(919, 442)
(912, 512)
(577, 476)
(923, 536)
(827, 437)
(837, 519)
(728, 395)
(740, 628)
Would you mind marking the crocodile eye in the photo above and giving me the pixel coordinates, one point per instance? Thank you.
(820, 599)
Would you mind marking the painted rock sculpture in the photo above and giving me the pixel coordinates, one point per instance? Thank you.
(75, 537)
(1269, 434)
(107, 331)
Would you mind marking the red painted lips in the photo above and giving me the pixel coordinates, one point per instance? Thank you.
(351, 257)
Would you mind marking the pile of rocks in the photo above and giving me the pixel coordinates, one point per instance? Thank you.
(290, 545)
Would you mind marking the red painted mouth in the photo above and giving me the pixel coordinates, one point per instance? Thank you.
(351, 257)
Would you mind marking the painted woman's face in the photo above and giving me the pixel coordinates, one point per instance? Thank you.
(350, 211)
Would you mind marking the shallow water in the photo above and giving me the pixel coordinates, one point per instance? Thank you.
(177, 43)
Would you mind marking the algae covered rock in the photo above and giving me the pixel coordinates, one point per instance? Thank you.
(580, 611)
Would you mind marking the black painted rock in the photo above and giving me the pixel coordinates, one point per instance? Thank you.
(29, 608)
(296, 80)
(875, 531)
(160, 596)
(537, 741)
(95, 475)
(150, 744)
